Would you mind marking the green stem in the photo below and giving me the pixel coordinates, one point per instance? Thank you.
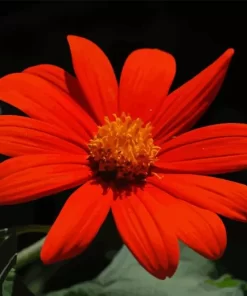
(32, 228)
(29, 254)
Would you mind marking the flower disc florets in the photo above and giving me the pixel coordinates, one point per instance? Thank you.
(123, 147)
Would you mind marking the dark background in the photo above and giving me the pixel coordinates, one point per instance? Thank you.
(195, 33)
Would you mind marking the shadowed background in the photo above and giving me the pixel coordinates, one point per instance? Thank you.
(35, 33)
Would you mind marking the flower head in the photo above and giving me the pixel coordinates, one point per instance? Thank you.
(130, 148)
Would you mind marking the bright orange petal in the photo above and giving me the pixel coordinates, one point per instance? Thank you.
(183, 107)
(147, 233)
(95, 75)
(21, 136)
(62, 79)
(145, 81)
(220, 196)
(77, 224)
(30, 177)
(201, 230)
(214, 149)
(42, 100)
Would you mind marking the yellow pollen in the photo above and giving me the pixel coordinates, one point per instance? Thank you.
(125, 147)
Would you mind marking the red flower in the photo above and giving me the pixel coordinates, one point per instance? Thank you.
(141, 163)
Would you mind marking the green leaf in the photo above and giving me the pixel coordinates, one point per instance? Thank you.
(85, 289)
(225, 281)
(13, 286)
(8, 287)
(124, 276)
(8, 253)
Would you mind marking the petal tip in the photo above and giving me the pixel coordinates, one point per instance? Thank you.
(44, 257)
(47, 256)
(229, 52)
(73, 38)
(76, 40)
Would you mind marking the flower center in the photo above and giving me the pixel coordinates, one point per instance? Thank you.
(123, 148)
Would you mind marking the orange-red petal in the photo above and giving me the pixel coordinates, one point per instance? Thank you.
(42, 100)
(214, 149)
(184, 106)
(145, 81)
(25, 178)
(62, 79)
(96, 77)
(145, 230)
(200, 229)
(220, 196)
(22, 136)
(77, 224)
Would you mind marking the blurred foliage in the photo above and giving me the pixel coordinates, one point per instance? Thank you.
(124, 276)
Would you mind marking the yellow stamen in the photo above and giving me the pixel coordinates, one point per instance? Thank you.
(125, 147)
